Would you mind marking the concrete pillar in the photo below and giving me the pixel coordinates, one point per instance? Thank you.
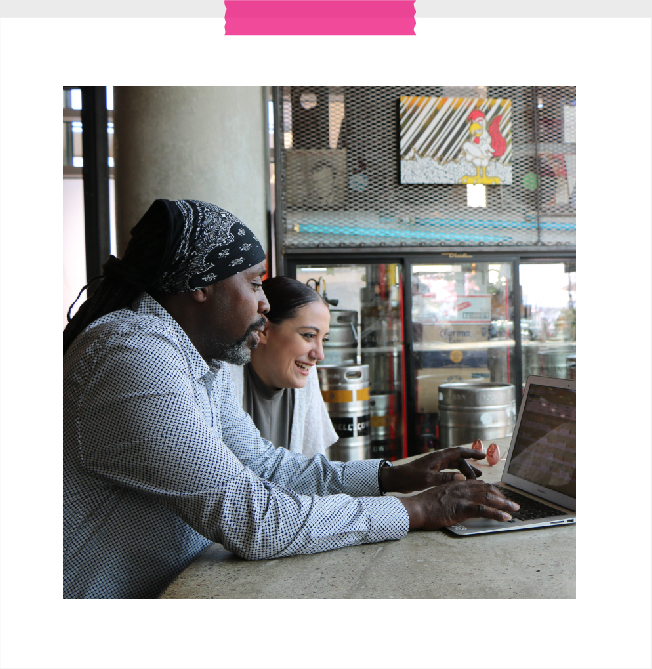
(198, 142)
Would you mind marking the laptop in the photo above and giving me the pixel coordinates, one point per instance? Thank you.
(539, 469)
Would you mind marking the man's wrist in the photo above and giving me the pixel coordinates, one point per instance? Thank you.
(413, 509)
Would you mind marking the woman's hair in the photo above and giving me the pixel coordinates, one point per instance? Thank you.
(286, 296)
(122, 280)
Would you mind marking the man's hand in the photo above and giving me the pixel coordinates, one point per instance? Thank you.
(455, 502)
(426, 472)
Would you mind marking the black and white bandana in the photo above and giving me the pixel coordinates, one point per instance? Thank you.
(205, 244)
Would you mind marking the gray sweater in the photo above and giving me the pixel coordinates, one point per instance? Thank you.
(312, 430)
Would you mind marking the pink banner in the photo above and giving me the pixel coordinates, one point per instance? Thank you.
(319, 17)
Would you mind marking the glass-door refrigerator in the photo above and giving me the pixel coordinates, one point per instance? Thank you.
(420, 322)
(367, 328)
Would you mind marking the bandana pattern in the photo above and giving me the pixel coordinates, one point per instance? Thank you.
(208, 245)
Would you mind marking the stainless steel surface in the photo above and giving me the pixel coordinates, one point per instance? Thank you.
(385, 412)
(385, 408)
(552, 360)
(342, 345)
(340, 356)
(350, 449)
(470, 411)
(344, 327)
(571, 367)
(345, 389)
(384, 368)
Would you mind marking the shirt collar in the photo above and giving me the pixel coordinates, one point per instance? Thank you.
(145, 304)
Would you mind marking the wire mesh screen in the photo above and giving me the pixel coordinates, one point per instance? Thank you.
(340, 177)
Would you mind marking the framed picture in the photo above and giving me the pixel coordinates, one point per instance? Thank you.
(455, 140)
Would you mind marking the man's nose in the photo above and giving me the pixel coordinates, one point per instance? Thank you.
(263, 305)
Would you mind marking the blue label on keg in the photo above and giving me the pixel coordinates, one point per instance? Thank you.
(351, 426)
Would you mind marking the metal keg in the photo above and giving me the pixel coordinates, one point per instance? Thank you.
(571, 367)
(470, 411)
(552, 361)
(345, 389)
(384, 369)
(342, 345)
(385, 425)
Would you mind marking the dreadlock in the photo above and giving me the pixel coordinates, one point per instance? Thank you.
(123, 279)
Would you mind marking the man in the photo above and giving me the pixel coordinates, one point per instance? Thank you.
(160, 460)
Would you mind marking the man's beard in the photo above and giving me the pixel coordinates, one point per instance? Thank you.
(239, 353)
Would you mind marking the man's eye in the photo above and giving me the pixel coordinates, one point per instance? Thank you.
(257, 285)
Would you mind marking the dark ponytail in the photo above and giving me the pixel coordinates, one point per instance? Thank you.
(286, 296)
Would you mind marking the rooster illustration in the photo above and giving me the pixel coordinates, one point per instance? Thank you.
(484, 145)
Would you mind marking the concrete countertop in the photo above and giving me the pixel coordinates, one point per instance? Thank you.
(528, 564)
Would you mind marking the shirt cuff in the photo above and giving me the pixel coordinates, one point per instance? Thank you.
(360, 478)
(389, 518)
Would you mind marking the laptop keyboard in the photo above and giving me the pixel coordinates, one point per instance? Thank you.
(530, 508)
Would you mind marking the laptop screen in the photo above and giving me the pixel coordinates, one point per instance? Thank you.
(544, 450)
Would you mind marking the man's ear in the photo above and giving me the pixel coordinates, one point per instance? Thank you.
(200, 295)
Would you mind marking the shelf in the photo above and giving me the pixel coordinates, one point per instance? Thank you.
(397, 348)
(465, 346)
(548, 344)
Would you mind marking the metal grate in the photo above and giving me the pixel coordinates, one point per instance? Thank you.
(339, 172)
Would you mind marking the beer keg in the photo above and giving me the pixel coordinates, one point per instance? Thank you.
(345, 389)
(385, 425)
(470, 411)
(571, 367)
(342, 345)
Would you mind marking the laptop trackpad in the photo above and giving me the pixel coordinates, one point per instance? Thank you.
(483, 523)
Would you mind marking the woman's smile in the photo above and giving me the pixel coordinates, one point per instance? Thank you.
(289, 350)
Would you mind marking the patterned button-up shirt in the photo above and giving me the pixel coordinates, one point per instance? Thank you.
(160, 460)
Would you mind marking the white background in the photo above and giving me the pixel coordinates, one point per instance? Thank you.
(608, 624)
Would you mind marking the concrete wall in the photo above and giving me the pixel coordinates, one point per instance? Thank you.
(197, 142)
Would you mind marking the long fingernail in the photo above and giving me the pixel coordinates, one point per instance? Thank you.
(507, 516)
(459, 477)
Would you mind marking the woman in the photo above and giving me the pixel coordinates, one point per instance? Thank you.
(279, 388)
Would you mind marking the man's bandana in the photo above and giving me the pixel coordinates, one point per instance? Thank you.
(205, 244)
